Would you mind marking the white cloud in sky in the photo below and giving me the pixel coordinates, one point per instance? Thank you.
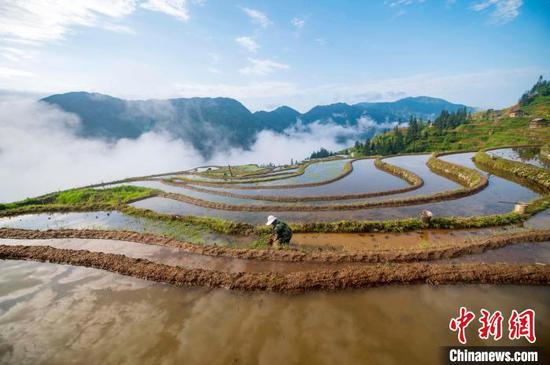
(118, 28)
(393, 3)
(32, 22)
(13, 73)
(262, 67)
(503, 11)
(321, 41)
(257, 17)
(248, 43)
(37, 21)
(298, 22)
(15, 54)
(175, 8)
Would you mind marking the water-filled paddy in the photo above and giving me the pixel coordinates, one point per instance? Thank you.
(316, 172)
(365, 178)
(172, 256)
(61, 314)
(383, 241)
(524, 253)
(488, 201)
(117, 221)
(200, 195)
(530, 155)
(77, 220)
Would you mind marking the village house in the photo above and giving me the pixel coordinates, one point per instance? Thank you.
(516, 112)
(539, 123)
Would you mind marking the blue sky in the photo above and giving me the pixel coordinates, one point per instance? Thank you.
(268, 53)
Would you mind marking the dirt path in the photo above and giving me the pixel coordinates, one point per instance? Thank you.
(376, 275)
(290, 255)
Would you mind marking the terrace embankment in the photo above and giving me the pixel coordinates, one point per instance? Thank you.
(375, 275)
(260, 183)
(379, 220)
(471, 180)
(404, 255)
(535, 177)
(409, 177)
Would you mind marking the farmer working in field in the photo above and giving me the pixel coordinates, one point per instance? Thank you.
(281, 232)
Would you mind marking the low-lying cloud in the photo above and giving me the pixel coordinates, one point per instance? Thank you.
(40, 151)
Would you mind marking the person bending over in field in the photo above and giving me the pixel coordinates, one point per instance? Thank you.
(281, 235)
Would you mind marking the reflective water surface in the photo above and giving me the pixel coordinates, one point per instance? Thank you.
(494, 199)
(56, 314)
(530, 155)
(114, 220)
(364, 178)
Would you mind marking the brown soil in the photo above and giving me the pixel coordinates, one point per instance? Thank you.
(382, 241)
(375, 275)
(391, 255)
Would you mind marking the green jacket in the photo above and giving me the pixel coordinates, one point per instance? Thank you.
(282, 231)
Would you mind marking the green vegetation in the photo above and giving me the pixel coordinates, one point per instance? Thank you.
(183, 230)
(244, 179)
(261, 242)
(84, 199)
(545, 153)
(409, 176)
(179, 180)
(235, 172)
(322, 153)
(210, 223)
(541, 88)
(462, 175)
(461, 130)
(534, 176)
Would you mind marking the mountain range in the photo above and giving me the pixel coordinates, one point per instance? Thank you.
(209, 123)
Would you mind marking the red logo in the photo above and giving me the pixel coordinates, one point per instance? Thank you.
(491, 325)
(519, 325)
(461, 322)
(522, 325)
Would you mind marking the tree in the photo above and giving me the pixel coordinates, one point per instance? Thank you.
(541, 88)
(322, 153)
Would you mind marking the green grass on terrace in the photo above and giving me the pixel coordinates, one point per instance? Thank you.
(84, 197)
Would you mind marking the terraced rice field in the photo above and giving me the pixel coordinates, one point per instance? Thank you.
(530, 155)
(342, 240)
(494, 199)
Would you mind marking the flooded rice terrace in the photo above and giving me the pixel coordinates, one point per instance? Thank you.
(365, 177)
(114, 220)
(494, 199)
(530, 155)
(56, 314)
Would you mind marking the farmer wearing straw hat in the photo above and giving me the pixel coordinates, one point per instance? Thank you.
(281, 232)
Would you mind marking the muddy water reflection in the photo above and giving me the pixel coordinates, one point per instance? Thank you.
(114, 220)
(421, 239)
(61, 314)
(523, 253)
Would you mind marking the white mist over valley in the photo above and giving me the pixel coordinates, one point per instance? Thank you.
(40, 151)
